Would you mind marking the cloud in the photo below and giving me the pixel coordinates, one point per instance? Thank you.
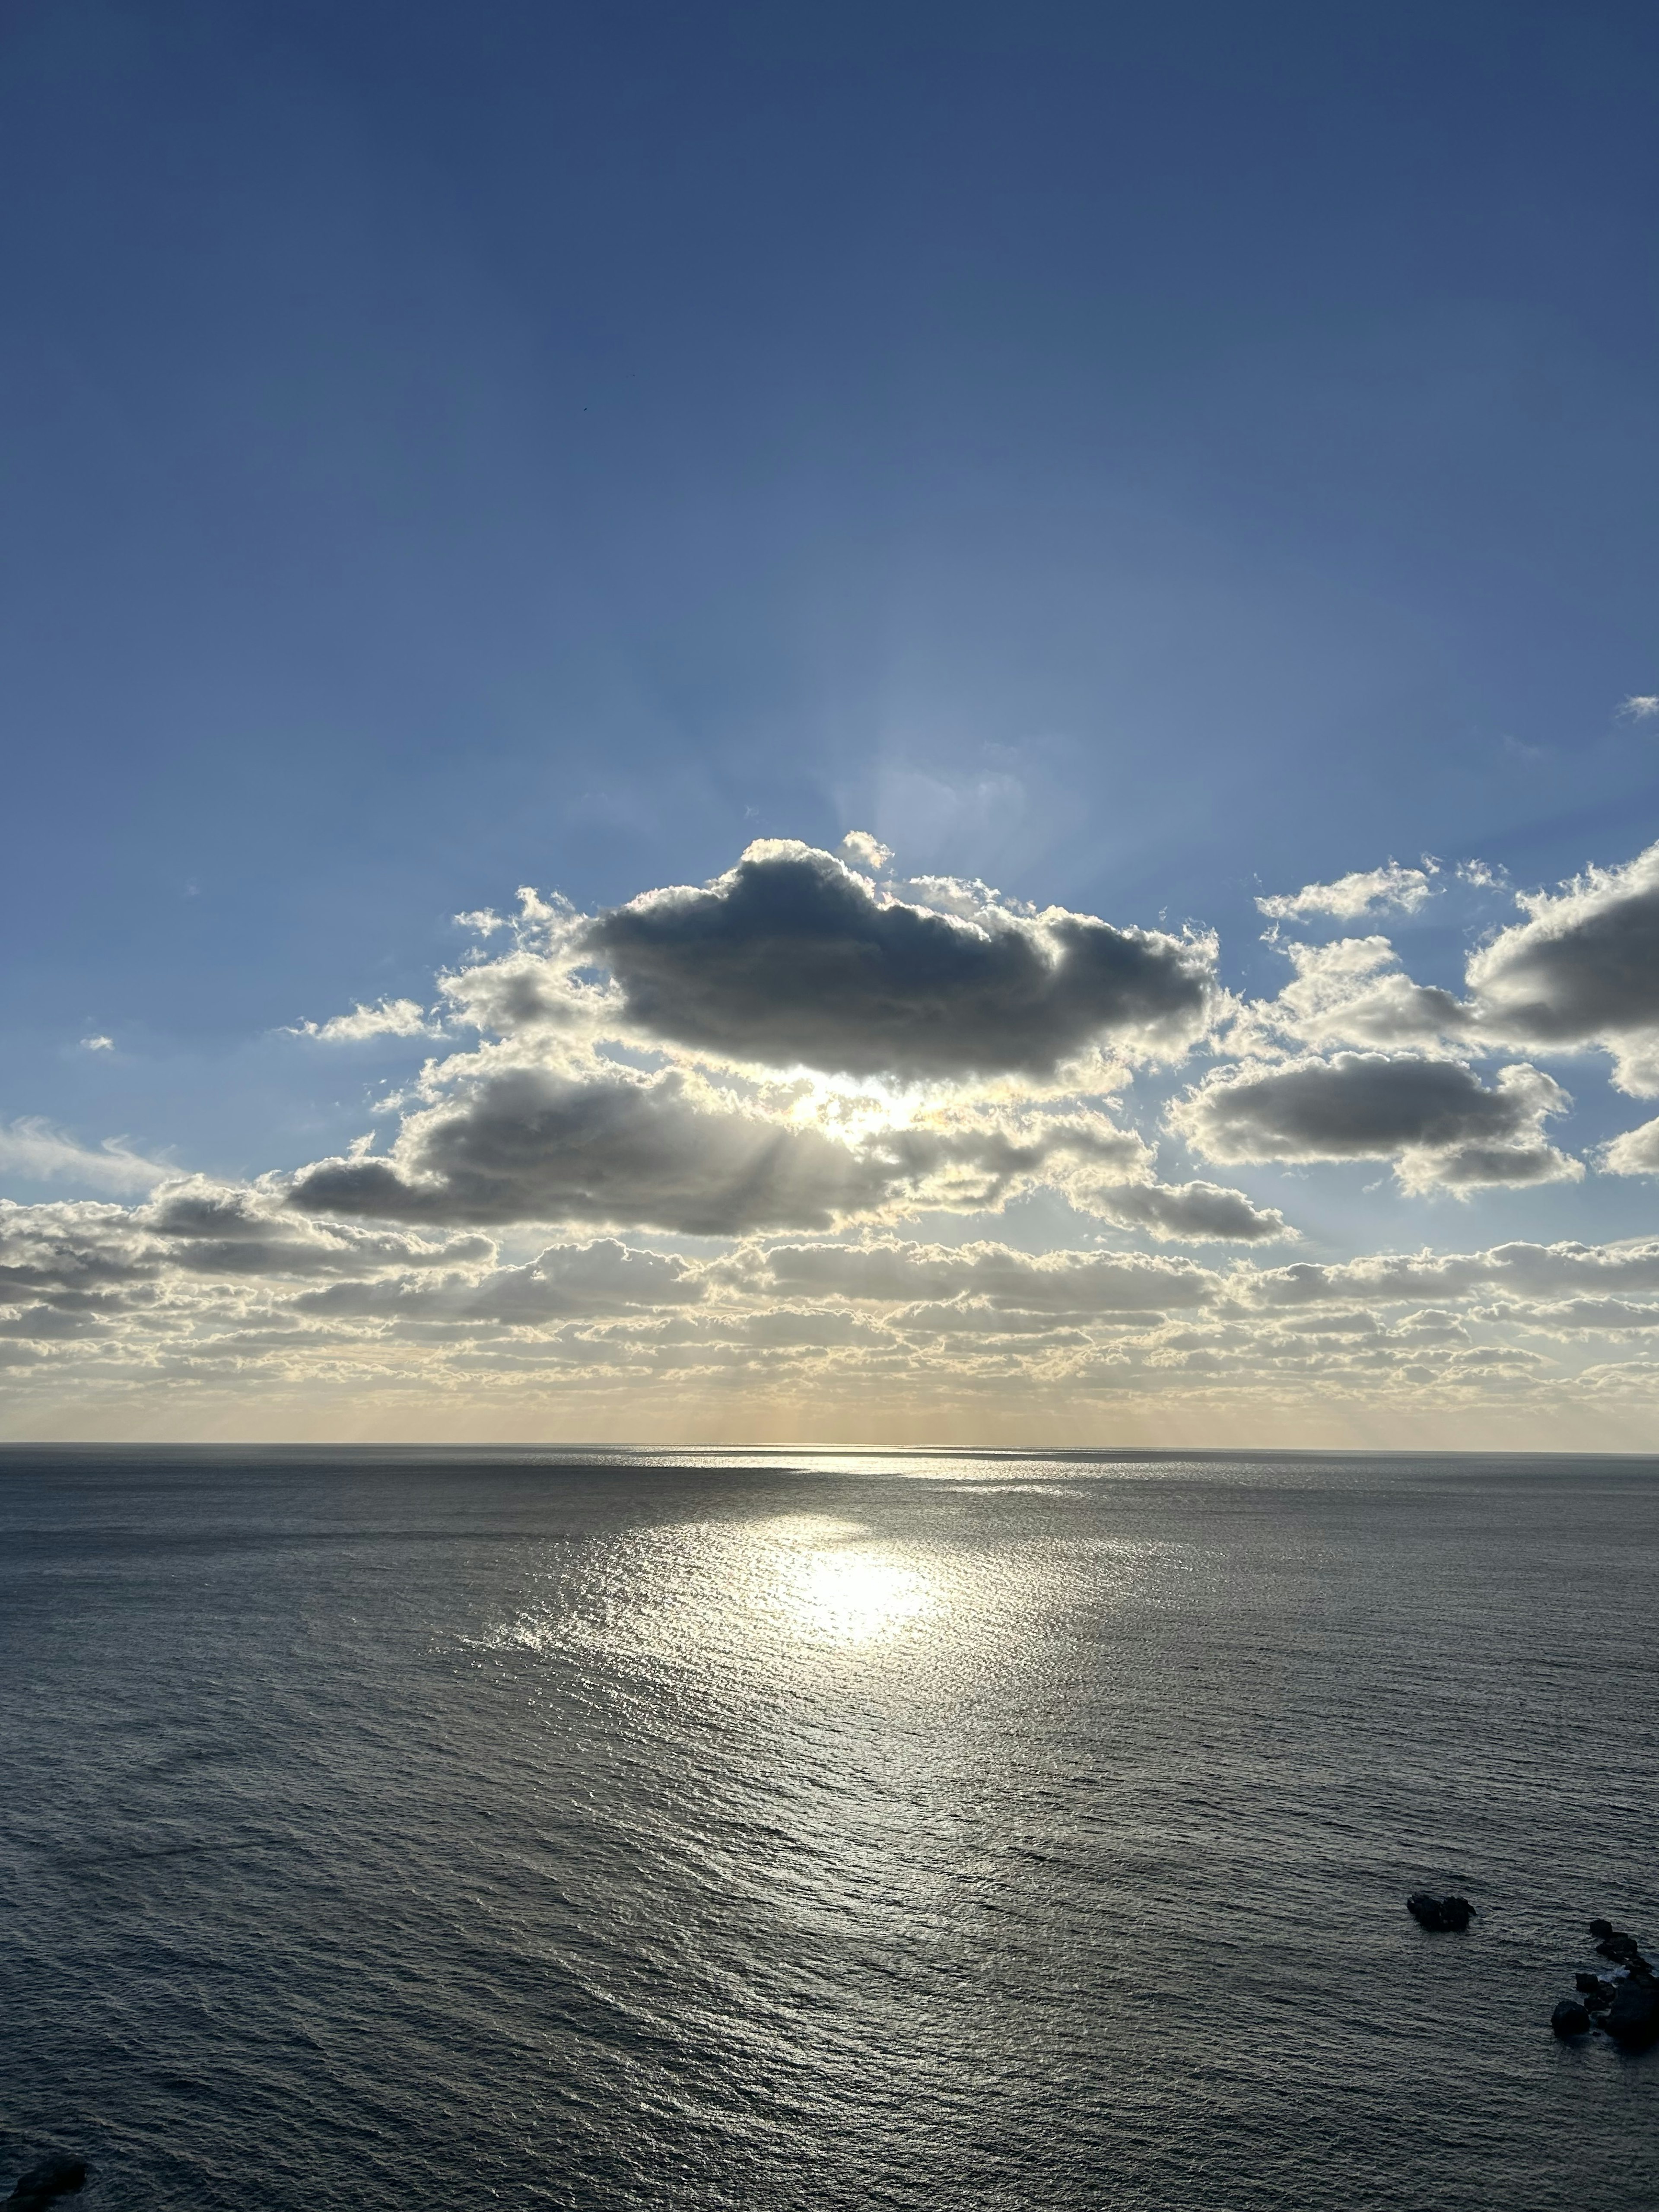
(509, 1142)
(1069, 1284)
(1370, 891)
(1583, 969)
(97, 1044)
(1532, 1270)
(792, 959)
(663, 1151)
(1190, 1213)
(31, 1147)
(1633, 1152)
(565, 1281)
(235, 1230)
(401, 1017)
(862, 851)
(1354, 992)
(1640, 706)
(1434, 1119)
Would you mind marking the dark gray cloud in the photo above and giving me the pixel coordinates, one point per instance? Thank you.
(1190, 1213)
(1434, 1119)
(525, 1143)
(229, 1230)
(69, 1251)
(794, 959)
(1583, 969)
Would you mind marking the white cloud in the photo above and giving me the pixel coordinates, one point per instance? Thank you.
(1633, 1152)
(33, 1148)
(1640, 706)
(867, 853)
(97, 1044)
(1354, 992)
(400, 1017)
(1372, 890)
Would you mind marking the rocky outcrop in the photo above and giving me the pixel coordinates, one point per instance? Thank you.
(1428, 1911)
(54, 2177)
(1632, 2018)
(1625, 2004)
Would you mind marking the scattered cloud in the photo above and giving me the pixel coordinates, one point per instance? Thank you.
(1072, 1284)
(511, 1142)
(862, 851)
(1435, 1119)
(1640, 706)
(1633, 1152)
(1371, 890)
(1583, 969)
(818, 1076)
(97, 1044)
(399, 1018)
(1354, 992)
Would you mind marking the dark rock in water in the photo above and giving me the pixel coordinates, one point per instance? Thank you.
(1431, 1911)
(1632, 2018)
(1621, 1948)
(54, 2177)
(1597, 1993)
(1570, 2018)
(1600, 1928)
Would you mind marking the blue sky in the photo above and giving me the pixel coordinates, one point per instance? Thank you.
(1145, 460)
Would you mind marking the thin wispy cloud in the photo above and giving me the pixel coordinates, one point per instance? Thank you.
(31, 1147)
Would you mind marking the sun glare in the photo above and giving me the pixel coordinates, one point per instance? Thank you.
(851, 1597)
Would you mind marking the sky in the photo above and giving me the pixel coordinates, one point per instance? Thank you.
(878, 725)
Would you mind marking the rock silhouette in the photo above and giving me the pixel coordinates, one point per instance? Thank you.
(1440, 1912)
(54, 2177)
(1626, 2005)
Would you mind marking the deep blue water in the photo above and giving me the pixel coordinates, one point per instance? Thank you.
(384, 1829)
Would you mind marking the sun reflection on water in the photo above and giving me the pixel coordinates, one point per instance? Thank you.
(708, 1592)
(851, 1597)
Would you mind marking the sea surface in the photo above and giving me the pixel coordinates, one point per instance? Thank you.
(450, 1829)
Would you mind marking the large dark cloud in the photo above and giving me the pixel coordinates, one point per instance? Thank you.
(792, 959)
(1434, 1119)
(527, 1144)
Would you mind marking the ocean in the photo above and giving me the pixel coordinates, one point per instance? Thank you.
(546, 1828)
